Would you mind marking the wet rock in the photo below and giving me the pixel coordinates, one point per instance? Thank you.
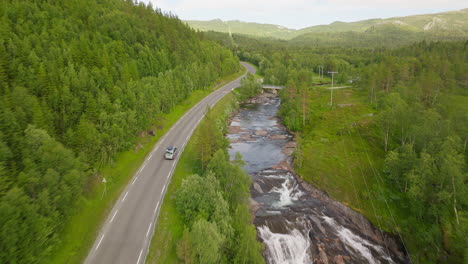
(317, 223)
(321, 257)
(234, 140)
(257, 187)
(283, 165)
(340, 259)
(234, 129)
(261, 133)
(253, 208)
(246, 137)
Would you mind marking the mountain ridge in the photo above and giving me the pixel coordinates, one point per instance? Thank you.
(455, 21)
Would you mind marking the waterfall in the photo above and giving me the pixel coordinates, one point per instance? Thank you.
(357, 243)
(288, 193)
(291, 248)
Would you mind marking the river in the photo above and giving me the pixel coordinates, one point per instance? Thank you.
(296, 222)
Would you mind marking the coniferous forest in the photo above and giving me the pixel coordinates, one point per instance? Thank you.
(78, 81)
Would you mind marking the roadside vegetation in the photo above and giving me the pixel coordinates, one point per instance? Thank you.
(205, 215)
(393, 146)
(80, 232)
(81, 84)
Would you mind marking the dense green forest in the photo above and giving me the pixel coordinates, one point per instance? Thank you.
(79, 80)
(404, 125)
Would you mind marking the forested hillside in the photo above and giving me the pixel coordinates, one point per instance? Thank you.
(240, 27)
(393, 145)
(78, 81)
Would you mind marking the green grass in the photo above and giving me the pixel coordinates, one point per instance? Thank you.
(80, 232)
(340, 155)
(169, 227)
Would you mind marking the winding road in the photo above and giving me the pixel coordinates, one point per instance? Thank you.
(126, 234)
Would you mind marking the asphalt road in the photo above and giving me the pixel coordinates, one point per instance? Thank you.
(126, 234)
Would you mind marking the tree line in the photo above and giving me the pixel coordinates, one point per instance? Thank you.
(420, 93)
(79, 80)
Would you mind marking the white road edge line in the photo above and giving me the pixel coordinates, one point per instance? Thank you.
(164, 188)
(149, 228)
(125, 196)
(112, 219)
(134, 180)
(99, 242)
(139, 256)
(156, 208)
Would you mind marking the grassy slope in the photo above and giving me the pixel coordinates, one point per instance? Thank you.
(169, 226)
(80, 232)
(341, 156)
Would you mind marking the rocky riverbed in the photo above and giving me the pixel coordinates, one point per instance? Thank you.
(297, 222)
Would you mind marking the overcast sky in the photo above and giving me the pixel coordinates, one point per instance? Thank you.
(302, 13)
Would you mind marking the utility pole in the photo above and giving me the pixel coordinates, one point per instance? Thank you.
(321, 72)
(331, 89)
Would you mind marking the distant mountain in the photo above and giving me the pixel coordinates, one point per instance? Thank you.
(446, 23)
(239, 27)
(454, 21)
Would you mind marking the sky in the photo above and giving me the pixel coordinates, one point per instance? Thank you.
(298, 14)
